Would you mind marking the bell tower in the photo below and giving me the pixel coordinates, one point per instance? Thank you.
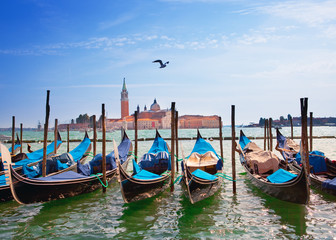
(124, 101)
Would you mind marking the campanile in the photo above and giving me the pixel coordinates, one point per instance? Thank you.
(124, 101)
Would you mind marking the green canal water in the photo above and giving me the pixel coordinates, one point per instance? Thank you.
(250, 214)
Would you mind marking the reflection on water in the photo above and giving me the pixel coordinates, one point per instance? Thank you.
(196, 219)
(292, 216)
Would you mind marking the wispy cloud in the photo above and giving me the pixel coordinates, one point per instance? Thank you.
(312, 13)
(107, 44)
(120, 20)
(118, 85)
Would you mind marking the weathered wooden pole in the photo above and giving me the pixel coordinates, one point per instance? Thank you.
(172, 157)
(270, 133)
(56, 136)
(233, 151)
(13, 134)
(45, 137)
(104, 147)
(311, 132)
(94, 135)
(291, 123)
(68, 137)
(21, 133)
(221, 139)
(265, 135)
(304, 137)
(176, 140)
(122, 133)
(136, 135)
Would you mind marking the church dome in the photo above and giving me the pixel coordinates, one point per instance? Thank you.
(155, 106)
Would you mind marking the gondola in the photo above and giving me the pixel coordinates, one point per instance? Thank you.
(142, 183)
(61, 185)
(54, 166)
(267, 173)
(15, 155)
(36, 156)
(322, 169)
(201, 171)
(17, 145)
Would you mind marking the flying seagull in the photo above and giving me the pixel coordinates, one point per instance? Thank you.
(161, 64)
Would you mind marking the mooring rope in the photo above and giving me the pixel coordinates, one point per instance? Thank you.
(178, 179)
(222, 175)
(100, 174)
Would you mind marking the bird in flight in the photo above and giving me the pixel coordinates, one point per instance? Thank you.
(162, 65)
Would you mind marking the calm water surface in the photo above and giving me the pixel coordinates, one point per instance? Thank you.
(248, 214)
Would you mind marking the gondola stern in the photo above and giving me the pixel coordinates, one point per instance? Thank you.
(157, 134)
(198, 134)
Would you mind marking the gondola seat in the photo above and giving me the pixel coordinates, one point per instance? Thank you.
(281, 176)
(204, 175)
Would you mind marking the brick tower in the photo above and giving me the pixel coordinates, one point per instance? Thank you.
(124, 101)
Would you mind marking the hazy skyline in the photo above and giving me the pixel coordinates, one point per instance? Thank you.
(261, 56)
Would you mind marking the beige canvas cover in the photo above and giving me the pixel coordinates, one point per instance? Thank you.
(293, 145)
(200, 160)
(265, 160)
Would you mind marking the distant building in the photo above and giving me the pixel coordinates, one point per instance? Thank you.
(124, 101)
(151, 118)
(198, 121)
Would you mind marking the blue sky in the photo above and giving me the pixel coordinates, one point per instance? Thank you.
(261, 56)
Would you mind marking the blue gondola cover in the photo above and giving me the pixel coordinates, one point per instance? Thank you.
(204, 175)
(94, 166)
(281, 176)
(329, 184)
(316, 160)
(157, 154)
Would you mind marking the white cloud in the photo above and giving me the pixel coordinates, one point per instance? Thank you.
(118, 85)
(312, 13)
(122, 19)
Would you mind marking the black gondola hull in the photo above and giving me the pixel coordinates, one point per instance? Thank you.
(296, 191)
(33, 190)
(197, 189)
(133, 189)
(314, 180)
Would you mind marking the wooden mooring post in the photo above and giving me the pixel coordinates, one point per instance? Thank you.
(270, 134)
(176, 141)
(13, 134)
(68, 137)
(21, 134)
(136, 136)
(233, 150)
(304, 137)
(56, 136)
(265, 134)
(45, 137)
(221, 139)
(172, 157)
(292, 131)
(267, 137)
(104, 147)
(94, 135)
(311, 132)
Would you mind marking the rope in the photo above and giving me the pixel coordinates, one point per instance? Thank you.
(222, 175)
(132, 154)
(100, 174)
(90, 154)
(165, 173)
(178, 179)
